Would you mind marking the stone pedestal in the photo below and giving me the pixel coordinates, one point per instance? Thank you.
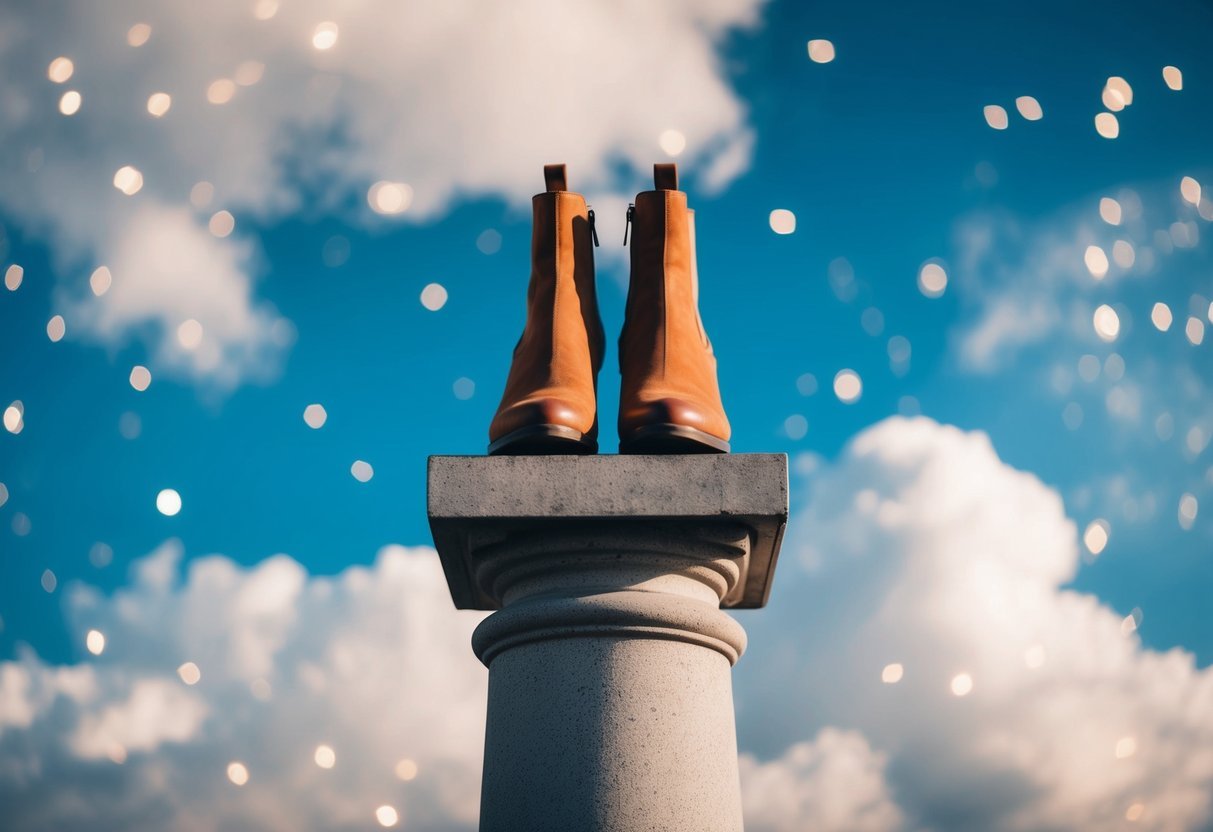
(610, 693)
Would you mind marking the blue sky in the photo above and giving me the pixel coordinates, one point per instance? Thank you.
(883, 155)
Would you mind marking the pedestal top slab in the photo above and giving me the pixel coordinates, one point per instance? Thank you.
(484, 497)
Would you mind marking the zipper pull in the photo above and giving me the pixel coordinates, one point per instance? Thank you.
(593, 230)
(628, 224)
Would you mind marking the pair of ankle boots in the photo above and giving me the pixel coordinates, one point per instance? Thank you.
(669, 398)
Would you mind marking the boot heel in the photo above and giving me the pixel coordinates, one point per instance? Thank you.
(545, 440)
(671, 439)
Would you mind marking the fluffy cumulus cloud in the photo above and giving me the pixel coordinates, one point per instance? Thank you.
(921, 666)
(299, 108)
(375, 664)
(834, 783)
(921, 603)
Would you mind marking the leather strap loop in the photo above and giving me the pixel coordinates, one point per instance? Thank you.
(556, 177)
(665, 177)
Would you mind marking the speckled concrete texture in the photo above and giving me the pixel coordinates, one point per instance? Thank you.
(474, 501)
(610, 688)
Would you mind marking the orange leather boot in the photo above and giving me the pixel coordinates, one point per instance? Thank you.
(669, 402)
(549, 405)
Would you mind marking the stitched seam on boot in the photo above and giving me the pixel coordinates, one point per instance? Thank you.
(665, 248)
(555, 281)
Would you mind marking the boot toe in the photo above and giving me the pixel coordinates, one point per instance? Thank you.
(542, 425)
(672, 425)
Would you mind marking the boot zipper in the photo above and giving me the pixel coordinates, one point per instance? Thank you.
(593, 230)
(628, 224)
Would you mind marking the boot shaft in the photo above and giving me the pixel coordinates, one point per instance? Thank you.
(562, 278)
(663, 294)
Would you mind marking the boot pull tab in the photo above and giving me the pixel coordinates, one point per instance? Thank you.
(665, 177)
(556, 177)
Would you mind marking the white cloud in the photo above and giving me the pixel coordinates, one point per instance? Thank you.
(833, 784)
(455, 101)
(921, 547)
(1027, 283)
(171, 270)
(374, 663)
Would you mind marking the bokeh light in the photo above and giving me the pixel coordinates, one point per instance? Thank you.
(1120, 88)
(672, 142)
(962, 684)
(1096, 261)
(221, 91)
(892, 673)
(128, 180)
(168, 502)
(141, 377)
(1188, 509)
(782, 221)
(158, 103)
(1107, 323)
(1109, 210)
(13, 276)
(14, 417)
(189, 673)
(434, 296)
(389, 197)
(362, 470)
(848, 387)
(138, 34)
(1107, 125)
(56, 327)
(932, 279)
(1123, 254)
(387, 816)
(237, 772)
(1029, 108)
(489, 241)
(821, 51)
(1173, 78)
(324, 36)
(221, 223)
(406, 769)
(795, 427)
(325, 756)
(1189, 189)
(249, 73)
(996, 116)
(100, 280)
(60, 70)
(69, 103)
(1095, 538)
(95, 642)
(314, 415)
(189, 334)
(265, 9)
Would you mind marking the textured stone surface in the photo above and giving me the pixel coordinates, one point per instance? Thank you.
(477, 501)
(610, 689)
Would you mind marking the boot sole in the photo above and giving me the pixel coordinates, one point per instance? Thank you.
(671, 439)
(544, 440)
